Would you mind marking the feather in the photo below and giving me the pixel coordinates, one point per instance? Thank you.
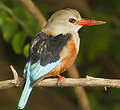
(26, 91)
(41, 71)
(35, 72)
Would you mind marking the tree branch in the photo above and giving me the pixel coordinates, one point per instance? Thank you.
(89, 82)
(66, 82)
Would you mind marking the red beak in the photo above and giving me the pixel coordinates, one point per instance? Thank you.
(87, 22)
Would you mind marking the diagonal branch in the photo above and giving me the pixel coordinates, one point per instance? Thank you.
(66, 82)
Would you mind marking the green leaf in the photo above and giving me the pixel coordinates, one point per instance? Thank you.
(26, 49)
(9, 29)
(18, 42)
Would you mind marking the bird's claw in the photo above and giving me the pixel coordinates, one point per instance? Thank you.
(59, 81)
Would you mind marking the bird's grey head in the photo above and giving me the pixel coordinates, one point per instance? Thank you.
(67, 20)
(63, 21)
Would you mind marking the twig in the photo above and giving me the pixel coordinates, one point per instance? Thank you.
(66, 82)
(15, 81)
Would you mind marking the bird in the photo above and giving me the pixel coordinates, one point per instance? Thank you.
(53, 49)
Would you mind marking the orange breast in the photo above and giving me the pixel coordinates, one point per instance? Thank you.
(68, 55)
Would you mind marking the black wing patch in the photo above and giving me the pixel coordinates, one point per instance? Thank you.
(46, 48)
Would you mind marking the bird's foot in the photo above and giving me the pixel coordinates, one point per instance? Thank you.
(59, 80)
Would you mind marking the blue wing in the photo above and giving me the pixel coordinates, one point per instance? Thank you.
(34, 72)
(38, 71)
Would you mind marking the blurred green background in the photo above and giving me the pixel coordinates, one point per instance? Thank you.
(99, 54)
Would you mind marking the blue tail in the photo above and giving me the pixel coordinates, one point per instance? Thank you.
(26, 91)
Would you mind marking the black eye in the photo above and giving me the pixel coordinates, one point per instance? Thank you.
(72, 20)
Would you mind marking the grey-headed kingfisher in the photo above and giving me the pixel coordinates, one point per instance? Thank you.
(54, 49)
